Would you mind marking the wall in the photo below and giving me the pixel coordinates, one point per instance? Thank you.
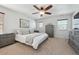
(32, 25)
(11, 19)
(53, 20)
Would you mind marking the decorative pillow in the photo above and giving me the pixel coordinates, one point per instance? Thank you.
(23, 31)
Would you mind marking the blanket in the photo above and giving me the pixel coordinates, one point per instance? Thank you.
(30, 37)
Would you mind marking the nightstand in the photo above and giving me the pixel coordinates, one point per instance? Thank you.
(36, 31)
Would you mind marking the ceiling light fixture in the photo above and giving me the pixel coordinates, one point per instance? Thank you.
(41, 13)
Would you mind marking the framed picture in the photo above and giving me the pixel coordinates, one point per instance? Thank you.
(24, 23)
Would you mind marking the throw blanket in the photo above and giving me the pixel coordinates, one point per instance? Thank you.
(30, 37)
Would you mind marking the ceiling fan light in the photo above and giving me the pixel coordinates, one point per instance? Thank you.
(41, 12)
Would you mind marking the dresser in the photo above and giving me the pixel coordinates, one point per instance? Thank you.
(49, 29)
(7, 39)
(74, 40)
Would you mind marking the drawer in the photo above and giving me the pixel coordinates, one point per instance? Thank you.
(74, 44)
(6, 42)
(7, 39)
(76, 39)
(7, 35)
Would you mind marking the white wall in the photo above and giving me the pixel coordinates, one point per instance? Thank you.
(11, 19)
(32, 25)
(53, 20)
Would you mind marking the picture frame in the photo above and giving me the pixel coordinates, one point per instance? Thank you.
(24, 23)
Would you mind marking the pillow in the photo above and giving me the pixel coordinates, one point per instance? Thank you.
(23, 31)
(31, 30)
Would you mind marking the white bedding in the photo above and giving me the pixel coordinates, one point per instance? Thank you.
(33, 39)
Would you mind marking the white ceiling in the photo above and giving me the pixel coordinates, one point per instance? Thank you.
(57, 9)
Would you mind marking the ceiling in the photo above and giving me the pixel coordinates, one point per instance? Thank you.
(57, 9)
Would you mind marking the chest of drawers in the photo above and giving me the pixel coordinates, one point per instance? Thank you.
(7, 39)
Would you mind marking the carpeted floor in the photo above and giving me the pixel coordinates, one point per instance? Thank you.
(51, 46)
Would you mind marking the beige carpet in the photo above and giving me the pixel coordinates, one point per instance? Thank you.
(52, 46)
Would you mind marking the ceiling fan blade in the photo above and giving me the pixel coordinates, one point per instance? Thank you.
(36, 7)
(35, 13)
(48, 13)
(47, 8)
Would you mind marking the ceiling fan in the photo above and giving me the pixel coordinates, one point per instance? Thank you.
(42, 10)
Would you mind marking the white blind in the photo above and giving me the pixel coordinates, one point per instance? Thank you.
(76, 23)
(62, 24)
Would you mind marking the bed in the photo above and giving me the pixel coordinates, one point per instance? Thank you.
(33, 39)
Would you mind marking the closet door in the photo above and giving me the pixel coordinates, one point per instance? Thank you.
(1, 22)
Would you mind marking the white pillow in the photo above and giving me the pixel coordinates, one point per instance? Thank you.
(23, 31)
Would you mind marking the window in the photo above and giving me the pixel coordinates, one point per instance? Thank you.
(62, 24)
(1, 22)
